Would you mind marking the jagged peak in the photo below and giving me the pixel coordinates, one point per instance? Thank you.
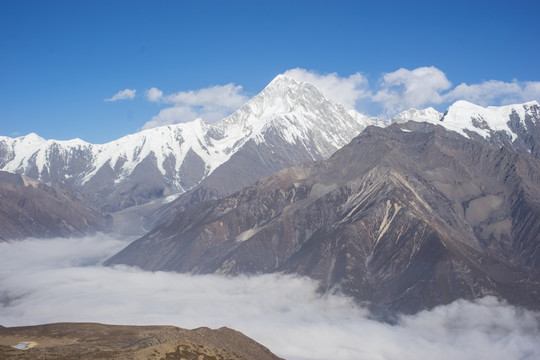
(283, 79)
(35, 139)
(32, 137)
(285, 87)
(464, 115)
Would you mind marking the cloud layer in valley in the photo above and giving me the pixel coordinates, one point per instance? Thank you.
(62, 280)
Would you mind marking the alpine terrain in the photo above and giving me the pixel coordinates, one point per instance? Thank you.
(29, 208)
(432, 208)
(403, 218)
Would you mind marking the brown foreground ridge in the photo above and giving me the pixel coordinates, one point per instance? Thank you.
(98, 341)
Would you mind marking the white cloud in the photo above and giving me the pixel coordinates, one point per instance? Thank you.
(394, 92)
(418, 88)
(211, 104)
(153, 94)
(229, 95)
(531, 91)
(344, 90)
(403, 89)
(61, 280)
(126, 94)
(171, 115)
(429, 86)
(494, 92)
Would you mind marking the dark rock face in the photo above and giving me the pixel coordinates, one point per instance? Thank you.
(250, 163)
(402, 220)
(29, 208)
(145, 184)
(528, 132)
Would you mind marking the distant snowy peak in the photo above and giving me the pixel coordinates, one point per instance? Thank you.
(463, 115)
(32, 152)
(428, 115)
(492, 122)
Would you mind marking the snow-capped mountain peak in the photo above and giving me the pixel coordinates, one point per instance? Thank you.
(464, 115)
(287, 115)
(299, 112)
(467, 118)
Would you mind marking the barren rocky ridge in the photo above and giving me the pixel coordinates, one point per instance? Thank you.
(403, 218)
(97, 341)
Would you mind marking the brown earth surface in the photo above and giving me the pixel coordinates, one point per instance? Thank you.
(98, 341)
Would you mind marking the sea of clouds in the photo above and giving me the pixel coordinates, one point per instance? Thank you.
(56, 280)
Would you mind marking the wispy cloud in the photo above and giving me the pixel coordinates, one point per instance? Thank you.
(126, 94)
(494, 92)
(403, 89)
(62, 280)
(211, 104)
(153, 94)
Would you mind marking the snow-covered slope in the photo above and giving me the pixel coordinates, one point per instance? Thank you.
(300, 113)
(174, 158)
(463, 116)
(428, 115)
(515, 126)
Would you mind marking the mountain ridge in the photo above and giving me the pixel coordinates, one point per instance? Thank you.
(100, 341)
(408, 209)
(29, 208)
(174, 158)
(516, 126)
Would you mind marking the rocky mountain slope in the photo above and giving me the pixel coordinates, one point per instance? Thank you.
(32, 209)
(403, 218)
(98, 341)
(462, 117)
(289, 122)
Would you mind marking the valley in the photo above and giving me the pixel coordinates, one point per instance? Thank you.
(395, 218)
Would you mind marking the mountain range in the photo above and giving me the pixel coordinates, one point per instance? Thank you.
(512, 126)
(402, 214)
(289, 122)
(403, 218)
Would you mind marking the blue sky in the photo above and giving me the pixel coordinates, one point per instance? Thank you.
(60, 60)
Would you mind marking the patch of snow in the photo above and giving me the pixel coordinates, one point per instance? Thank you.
(171, 198)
